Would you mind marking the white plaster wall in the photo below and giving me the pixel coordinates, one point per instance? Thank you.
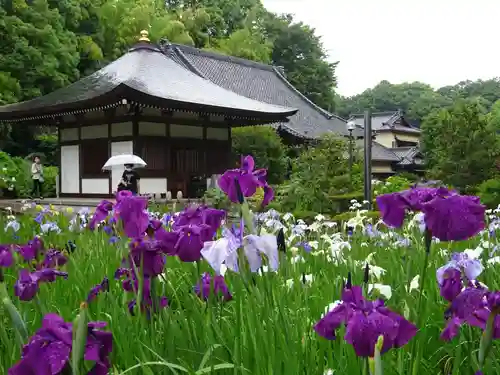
(94, 131)
(186, 131)
(117, 148)
(95, 186)
(153, 185)
(69, 134)
(221, 134)
(121, 129)
(152, 128)
(70, 169)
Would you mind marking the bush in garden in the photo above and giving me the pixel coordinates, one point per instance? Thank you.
(391, 185)
(266, 147)
(319, 173)
(489, 192)
(15, 177)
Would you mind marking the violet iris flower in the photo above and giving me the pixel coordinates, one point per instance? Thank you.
(450, 284)
(31, 250)
(132, 212)
(462, 262)
(448, 215)
(27, 285)
(190, 242)
(248, 179)
(101, 213)
(148, 256)
(103, 286)
(473, 306)
(209, 286)
(198, 215)
(48, 350)
(54, 258)
(365, 321)
(6, 258)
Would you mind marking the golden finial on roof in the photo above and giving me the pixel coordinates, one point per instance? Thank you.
(144, 36)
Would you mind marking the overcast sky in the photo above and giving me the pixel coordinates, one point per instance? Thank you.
(440, 42)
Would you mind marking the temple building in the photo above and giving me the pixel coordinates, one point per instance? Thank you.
(152, 103)
(396, 144)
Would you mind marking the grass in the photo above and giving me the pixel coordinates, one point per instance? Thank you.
(267, 328)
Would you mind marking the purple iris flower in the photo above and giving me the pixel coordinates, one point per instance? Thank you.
(190, 242)
(101, 213)
(365, 321)
(6, 258)
(450, 284)
(198, 215)
(103, 286)
(27, 285)
(131, 284)
(448, 216)
(54, 258)
(31, 250)
(147, 255)
(216, 285)
(132, 212)
(473, 306)
(48, 350)
(248, 179)
(470, 267)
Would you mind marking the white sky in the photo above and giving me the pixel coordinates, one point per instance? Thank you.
(440, 42)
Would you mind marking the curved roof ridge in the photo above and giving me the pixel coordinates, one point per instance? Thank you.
(222, 57)
(186, 61)
(325, 113)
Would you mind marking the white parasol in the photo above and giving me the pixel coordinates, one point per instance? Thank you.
(120, 160)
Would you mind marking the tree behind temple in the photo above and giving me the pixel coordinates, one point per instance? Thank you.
(460, 145)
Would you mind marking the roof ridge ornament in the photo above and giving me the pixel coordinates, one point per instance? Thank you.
(144, 36)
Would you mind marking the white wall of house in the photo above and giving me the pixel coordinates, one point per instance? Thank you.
(70, 169)
(95, 185)
(153, 185)
(117, 148)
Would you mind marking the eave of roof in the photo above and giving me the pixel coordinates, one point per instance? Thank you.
(147, 76)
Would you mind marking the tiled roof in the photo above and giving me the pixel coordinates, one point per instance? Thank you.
(386, 121)
(264, 83)
(148, 76)
(380, 152)
(408, 155)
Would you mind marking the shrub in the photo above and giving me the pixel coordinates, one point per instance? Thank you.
(341, 203)
(489, 192)
(391, 185)
(264, 144)
(375, 215)
(319, 173)
(15, 177)
(307, 216)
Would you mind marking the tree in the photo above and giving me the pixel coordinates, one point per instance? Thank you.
(265, 146)
(460, 145)
(299, 51)
(318, 175)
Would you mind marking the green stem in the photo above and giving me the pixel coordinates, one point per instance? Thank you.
(420, 306)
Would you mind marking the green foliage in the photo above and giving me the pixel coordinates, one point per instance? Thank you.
(319, 173)
(299, 50)
(460, 145)
(418, 99)
(217, 198)
(341, 203)
(391, 185)
(15, 177)
(266, 147)
(489, 192)
(346, 216)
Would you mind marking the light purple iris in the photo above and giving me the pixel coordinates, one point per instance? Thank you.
(462, 262)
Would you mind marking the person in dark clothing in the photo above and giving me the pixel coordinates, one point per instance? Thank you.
(130, 180)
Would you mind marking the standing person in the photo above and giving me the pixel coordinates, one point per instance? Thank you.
(37, 177)
(131, 179)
